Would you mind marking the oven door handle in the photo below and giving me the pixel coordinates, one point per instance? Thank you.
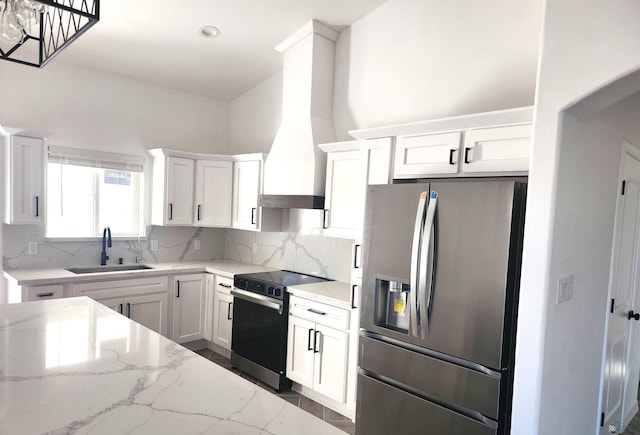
(265, 301)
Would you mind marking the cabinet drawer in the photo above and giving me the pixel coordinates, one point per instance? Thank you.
(224, 284)
(417, 156)
(121, 287)
(40, 292)
(318, 312)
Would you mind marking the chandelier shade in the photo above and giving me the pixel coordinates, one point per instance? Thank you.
(34, 32)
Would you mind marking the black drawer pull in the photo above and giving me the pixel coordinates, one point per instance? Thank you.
(451, 153)
(224, 285)
(309, 339)
(44, 295)
(315, 342)
(466, 155)
(177, 289)
(229, 311)
(311, 310)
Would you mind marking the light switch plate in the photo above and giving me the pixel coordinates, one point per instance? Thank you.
(565, 288)
(196, 245)
(32, 248)
(153, 245)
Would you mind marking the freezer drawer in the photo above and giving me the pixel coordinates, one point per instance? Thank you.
(444, 381)
(383, 410)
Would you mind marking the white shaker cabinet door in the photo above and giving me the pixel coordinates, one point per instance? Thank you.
(25, 174)
(330, 371)
(499, 149)
(179, 199)
(149, 310)
(300, 352)
(223, 320)
(424, 155)
(343, 191)
(188, 307)
(213, 189)
(246, 192)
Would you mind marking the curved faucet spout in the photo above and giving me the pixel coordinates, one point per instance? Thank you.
(106, 242)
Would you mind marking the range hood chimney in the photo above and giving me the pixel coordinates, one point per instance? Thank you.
(294, 171)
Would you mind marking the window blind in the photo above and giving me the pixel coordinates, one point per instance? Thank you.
(95, 159)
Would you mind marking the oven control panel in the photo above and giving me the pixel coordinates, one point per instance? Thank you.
(260, 287)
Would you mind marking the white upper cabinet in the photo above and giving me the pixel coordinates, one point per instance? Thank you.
(247, 187)
(172, 190)
(179, 198)
(24, 180)
(213, 187)
(246, 194)
(343, 191)
(500, 149)
(376, 158)
(427, 154)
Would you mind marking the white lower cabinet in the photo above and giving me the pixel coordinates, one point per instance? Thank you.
(188, 307)
(222, 312)
(317, 354)
(148, 310)
(143, 300)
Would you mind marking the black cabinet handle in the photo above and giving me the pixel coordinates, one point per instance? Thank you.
(315, 341)
(229, 311)
(170, 211)
(199, 211)
(44, 295)
(356, 256)
(632, 315)
(311, 310)
(309, 339)
(121, 309)
(224, 285)
(128, 310)
(253, 216)
(353, 296)
(324, 219)
(37, 206)
(177, 289)
(466, 155)
(451, 153)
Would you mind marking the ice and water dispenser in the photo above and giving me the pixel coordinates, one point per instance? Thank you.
(392, 309)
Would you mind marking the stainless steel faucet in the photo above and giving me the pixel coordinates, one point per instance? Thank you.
(106, 242)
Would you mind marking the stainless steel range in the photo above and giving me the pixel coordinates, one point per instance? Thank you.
(260, 319)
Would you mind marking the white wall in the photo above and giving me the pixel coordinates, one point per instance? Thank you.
(82, 108)
(412, 60)
(570, 209)
(255, 116)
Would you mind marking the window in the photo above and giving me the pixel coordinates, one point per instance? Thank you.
(88, 191)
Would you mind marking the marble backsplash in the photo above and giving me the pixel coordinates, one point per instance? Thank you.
(299, 248)
(174, 244)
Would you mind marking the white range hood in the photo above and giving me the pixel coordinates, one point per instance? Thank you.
(294, 172)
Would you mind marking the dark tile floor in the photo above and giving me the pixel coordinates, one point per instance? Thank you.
(320, 411)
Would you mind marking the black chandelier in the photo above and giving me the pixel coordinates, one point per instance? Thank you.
(34, 32)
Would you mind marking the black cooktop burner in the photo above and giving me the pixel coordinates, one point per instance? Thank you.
(273, 283)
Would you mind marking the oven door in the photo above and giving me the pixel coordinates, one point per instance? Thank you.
(259, 330)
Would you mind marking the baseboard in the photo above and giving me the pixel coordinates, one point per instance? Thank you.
(338, 407)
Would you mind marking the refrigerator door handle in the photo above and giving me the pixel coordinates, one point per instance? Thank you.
(414, 304)
(426, 292)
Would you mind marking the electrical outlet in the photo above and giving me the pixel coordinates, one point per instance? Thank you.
(153, 245)
(196, 245)
(32, 248)
(565, 288)
(254, 248)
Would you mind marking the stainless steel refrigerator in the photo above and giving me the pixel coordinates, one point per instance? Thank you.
(441, 264)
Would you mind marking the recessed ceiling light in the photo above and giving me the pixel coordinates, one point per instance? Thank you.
(209, 31)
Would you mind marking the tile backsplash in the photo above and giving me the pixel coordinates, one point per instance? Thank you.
(299, 249)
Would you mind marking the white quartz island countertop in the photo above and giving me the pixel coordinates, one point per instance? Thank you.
(74, 366)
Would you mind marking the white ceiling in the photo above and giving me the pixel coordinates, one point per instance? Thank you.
(158, 40)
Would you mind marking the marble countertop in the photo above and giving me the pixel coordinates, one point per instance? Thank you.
(334, 293)
(74, 366)
(61, 275)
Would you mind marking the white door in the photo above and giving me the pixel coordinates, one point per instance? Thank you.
(149, 310)
(300, 350)
(330, 370)
(499, 149)
(213, 183)
(420, 156)
(618, 375)
(246, 191)
(188, 307)
(116, 304)
(179, 191)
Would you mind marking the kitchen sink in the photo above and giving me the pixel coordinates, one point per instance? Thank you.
(100, 269)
